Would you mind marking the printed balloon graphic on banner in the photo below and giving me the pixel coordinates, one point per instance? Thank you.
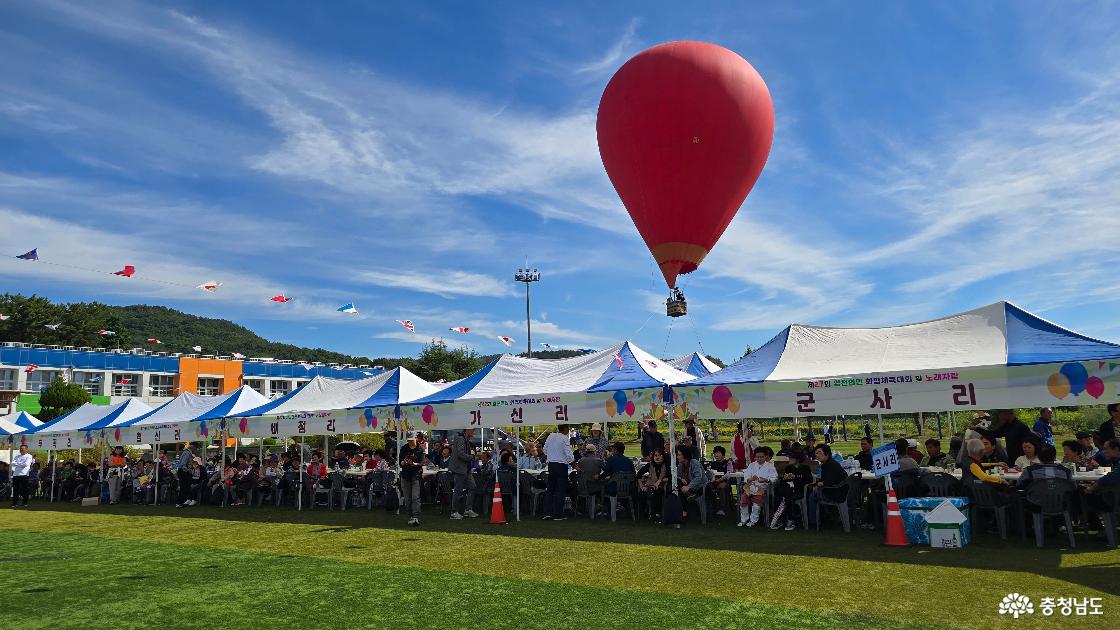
(733, 405)
(1077, 375)
(427, 414)
(243, 426)
(1094, 386)
(116, 435)
(1058, 385)
(202, 430)
(620, 401)
(368, 419)
(720, 397)
(612, 408)
(630, 409)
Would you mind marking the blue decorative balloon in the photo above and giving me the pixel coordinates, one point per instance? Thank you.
(620, 400)
(1077, 375)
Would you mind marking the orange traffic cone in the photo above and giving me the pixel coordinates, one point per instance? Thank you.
(498, 510)
(896, 531)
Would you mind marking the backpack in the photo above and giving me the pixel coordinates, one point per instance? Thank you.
(672, 511)
(392, 500)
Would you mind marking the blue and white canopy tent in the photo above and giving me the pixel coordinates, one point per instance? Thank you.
(618, 384)
(996, 356)
(695, 364)
(171, 421)
(86, 425)
(16, 424)
(322, 406)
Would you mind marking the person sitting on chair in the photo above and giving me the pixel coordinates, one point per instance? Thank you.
(758, 477)
(1044, 469)
(690, 475)
(934, 457)
(720, 486)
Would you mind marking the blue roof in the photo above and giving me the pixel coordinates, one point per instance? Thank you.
(1031, 340)
(753, 368)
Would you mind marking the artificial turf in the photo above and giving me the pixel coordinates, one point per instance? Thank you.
(127, 566)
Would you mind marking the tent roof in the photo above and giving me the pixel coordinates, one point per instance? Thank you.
(695, 364)
(188, 406)
(509, 375)
(23, 420)
(993, 335)
(321, 393)
(90, 416)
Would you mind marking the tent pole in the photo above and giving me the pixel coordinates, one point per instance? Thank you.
(940, 435)
(517, 479)
(672, 443)
(155, 458)
(299, 497)
(952, 429)
(880, 428)
(400, 438)
(54, 464)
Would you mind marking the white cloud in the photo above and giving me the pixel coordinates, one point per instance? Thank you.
(442, 282)
(613, 57)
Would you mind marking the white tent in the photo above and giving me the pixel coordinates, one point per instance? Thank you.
(85, 425)
(170, 421)
(992, 357)
(617, 384)
(323, 406)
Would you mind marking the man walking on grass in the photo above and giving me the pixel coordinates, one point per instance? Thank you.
(462, 455)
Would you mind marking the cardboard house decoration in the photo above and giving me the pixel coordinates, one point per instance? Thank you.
(945, 522)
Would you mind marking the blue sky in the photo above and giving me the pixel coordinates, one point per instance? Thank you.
(928, 158)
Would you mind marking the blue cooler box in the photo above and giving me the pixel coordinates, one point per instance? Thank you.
(913, 517)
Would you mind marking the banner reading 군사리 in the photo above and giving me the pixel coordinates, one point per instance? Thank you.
(1071, 384)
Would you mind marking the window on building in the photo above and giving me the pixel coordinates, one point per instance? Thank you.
(9, 379)
(90, 381)
(39, 380)
(279, 388)
(126, 384)
(256, 384)
(300, 384)
(162, 385)
(209, 386)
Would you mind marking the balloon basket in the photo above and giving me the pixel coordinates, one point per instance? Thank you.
(675, 306)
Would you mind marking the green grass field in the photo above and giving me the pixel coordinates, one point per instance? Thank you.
(133, 567)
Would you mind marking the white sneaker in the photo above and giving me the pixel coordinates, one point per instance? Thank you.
(740, 523)
(190, 502)
(790, 526)
(455, 516)
(413, 521)
(470, 514)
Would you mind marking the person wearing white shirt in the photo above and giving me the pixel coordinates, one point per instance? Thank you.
(757, 479)
(558, 452)
(21, 476)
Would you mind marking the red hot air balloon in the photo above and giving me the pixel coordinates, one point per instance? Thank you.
(684, 131)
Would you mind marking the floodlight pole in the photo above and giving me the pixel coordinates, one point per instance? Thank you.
(528, 276)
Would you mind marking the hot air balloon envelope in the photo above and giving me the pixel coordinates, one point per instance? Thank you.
(684, 131)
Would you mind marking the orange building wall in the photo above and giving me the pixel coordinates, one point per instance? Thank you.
(190, 368)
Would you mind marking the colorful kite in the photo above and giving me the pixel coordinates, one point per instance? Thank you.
(52, 326)
(348, 308)
(506, 340)
(154, 341)
(196, 348)
(31, 255)
(95, 379)
(407, 323)
(4, 318)
(281, 298)
(238, 355)
(618, 360)
(124, 381)
(209, 286)
(31, 368)
(546, 346)
(106, 333)
(126, 272)
(460, 329)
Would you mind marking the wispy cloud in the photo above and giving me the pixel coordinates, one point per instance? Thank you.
(442, 282)
(614, 55)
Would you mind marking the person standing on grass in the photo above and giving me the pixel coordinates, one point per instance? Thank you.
(462, 456)
(411, 476)
(558, 453)
(21, 476)
(183, 473)
(1044, 426)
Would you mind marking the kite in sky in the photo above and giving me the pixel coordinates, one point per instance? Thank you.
(460, 329)
(546, 346)
(124, 381)
(52, 326)
(209, 286)
(31, 368)
(617, 359)
(126, 272)
(95, 379)
(196, 348)
(407, 323)
(238, 355)
(31, 255)
(154, 341)
(106, 333)
(348, 308)
(281, 298)
(4, 318)
(506, 340)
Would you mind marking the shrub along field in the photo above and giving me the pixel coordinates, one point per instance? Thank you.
(139, 567)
